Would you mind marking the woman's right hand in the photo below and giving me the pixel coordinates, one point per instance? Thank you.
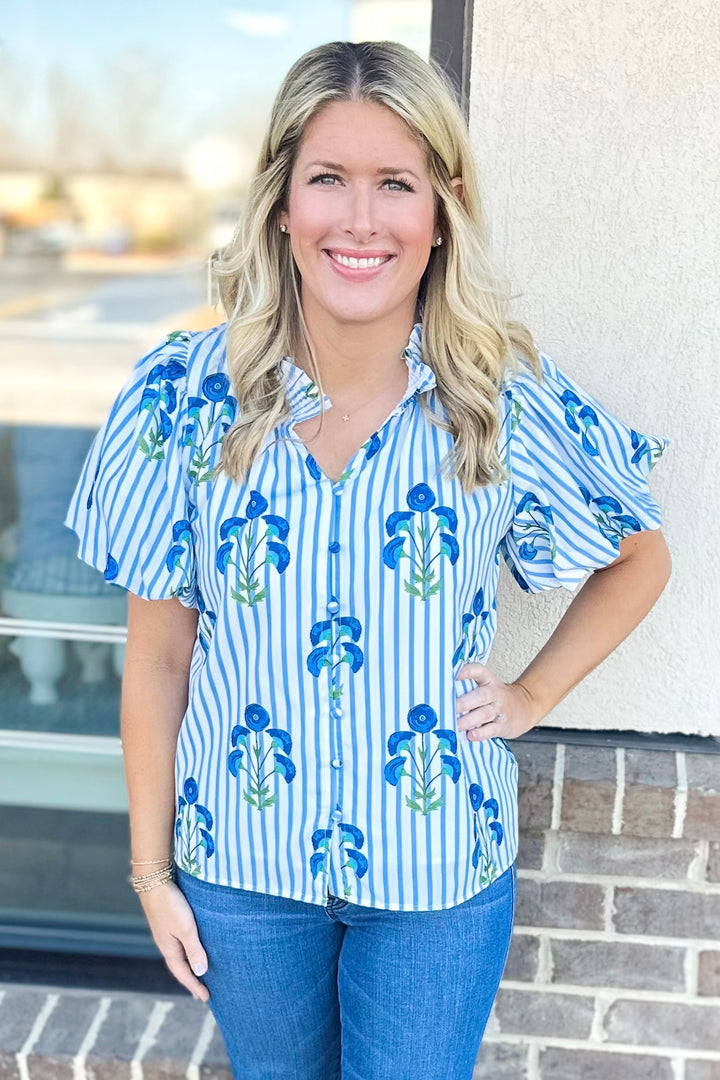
(175, 933)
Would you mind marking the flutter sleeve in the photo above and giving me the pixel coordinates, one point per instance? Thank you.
(131, 508)
(578, 478)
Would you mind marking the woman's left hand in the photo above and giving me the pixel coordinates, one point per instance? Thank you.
(493, 709)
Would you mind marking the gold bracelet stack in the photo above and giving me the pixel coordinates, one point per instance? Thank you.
(144, 882)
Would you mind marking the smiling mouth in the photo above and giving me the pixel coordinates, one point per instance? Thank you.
(353, 263)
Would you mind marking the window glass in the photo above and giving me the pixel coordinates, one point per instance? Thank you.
(127, 136)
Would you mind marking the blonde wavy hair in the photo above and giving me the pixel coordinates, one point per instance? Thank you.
(467, 338)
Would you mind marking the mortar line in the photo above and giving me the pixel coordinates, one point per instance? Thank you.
(671, 1052)
(557, 792)
(572, 933)
(533, 1062)
(702, 888)
(619, 804)
(34, 1034)
(158, 1013)
(201, 1046)
(659, 997)
(681, 795)
(78, 1064)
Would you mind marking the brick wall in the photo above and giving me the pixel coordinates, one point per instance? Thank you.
(614, 970)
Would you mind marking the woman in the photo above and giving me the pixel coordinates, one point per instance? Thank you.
(307, 505)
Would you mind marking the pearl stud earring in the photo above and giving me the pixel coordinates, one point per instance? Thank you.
(438, 242)
(283, 228)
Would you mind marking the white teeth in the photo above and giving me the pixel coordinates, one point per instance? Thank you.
(358, 264)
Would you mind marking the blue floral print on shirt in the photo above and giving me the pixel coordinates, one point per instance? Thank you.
(159, 401)
(414, 536)
(335, 642)
(250, 756)
(193, 825)
(242, 547)
(350, 839)
(414, 757)
(208, 419)
(487, 831)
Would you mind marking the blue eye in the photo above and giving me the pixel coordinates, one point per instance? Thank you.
(404, 185)
(320, 178)
(323, 176)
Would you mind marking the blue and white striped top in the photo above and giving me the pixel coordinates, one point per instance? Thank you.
(319, 752)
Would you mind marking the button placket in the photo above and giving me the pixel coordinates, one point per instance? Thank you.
(333, 607)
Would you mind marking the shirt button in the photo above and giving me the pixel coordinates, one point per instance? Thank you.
(334, 547)
(333, 605)
(336, 815)
(336, 763)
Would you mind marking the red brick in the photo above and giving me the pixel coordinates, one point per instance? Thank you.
(709, 974)
(530, 851)
(713, 867)
(8, 1066)
(17, 1016)
(536, 761)
(49, 1067)
(535, 805)
(618, 964)
(557, 1064)
(536, 769)
(703, 773)
(175, 1041)
(559, 903)
(523, 958)
(587, 806)
(648, 811)
(625, 856)
(650, 768)
(534, 1012)
(107, 1070)
(702, 819)
(497, 1061)
(702, 1070)
(215, 1061)
(590, 763)
(666, 1024)
(66, 1026)
(667, 912)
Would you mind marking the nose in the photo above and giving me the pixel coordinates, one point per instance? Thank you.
(361, 212)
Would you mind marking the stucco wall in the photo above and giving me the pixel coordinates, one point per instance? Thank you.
(595, 125)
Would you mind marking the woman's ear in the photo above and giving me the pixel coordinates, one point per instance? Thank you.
(458, 185)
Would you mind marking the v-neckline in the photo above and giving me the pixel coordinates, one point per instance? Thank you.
(350, 463)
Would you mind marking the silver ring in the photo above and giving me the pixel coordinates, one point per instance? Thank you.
(499, 716)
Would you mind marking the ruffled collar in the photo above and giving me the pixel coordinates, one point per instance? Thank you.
(304, 397)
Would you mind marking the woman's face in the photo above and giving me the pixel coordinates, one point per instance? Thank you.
(359, 191)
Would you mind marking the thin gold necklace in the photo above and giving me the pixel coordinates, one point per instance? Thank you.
(346, 416)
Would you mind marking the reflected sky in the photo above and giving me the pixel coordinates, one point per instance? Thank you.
(212, 53)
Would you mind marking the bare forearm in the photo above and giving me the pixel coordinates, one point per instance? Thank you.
(161, 634)
(608, 607)
(153, 705)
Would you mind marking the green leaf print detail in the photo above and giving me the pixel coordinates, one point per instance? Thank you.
(252, 755)
(416, 537)
(413, 756)
(193, 827)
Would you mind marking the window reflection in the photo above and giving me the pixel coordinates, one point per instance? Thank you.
(127, 136)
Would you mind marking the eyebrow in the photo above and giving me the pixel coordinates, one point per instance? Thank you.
(341, 168)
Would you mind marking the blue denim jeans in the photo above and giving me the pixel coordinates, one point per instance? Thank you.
(306, 992)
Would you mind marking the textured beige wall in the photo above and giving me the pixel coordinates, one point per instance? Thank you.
(596, 127)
